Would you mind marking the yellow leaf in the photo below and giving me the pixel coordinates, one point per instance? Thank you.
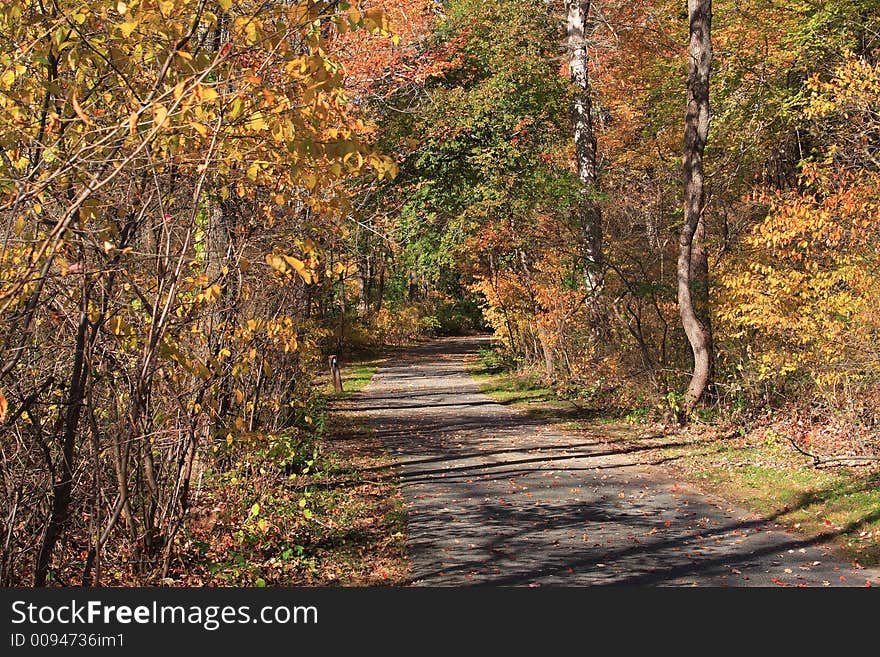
(234, 110)
(225, 5)
(7, 79)
(249, 26)
(121, 8)
(300, 267)
(209, 94)
(256, 121)
(117, 325)
(212, 293)
(276, 262)
(251, 32)
(160, 113)
(128, 27)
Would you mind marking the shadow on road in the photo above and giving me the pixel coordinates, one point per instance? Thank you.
(497, 497)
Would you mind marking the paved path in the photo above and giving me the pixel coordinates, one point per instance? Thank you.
(494, 497)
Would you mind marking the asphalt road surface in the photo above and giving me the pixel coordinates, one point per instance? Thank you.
(496, 498)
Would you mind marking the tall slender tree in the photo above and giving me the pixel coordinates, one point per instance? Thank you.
(693, 265)
(589, 214)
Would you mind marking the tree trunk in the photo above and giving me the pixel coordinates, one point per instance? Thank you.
(380, 292)
(693, 268)
(589, 214)
(365, 276)
(547, 350)
(413, 286)
(63, 484)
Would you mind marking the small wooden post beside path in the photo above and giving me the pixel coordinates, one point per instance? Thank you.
(336, 373)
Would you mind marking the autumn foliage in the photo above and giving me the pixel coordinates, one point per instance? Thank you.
(171, 180)
(202, 199)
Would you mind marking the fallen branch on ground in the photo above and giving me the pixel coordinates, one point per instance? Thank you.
(819, 461)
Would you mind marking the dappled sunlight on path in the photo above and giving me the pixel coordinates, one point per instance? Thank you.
(494, 497)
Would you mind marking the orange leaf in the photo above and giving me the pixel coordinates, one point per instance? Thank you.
(79, 110)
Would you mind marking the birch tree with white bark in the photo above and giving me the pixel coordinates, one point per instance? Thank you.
(588, 212)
